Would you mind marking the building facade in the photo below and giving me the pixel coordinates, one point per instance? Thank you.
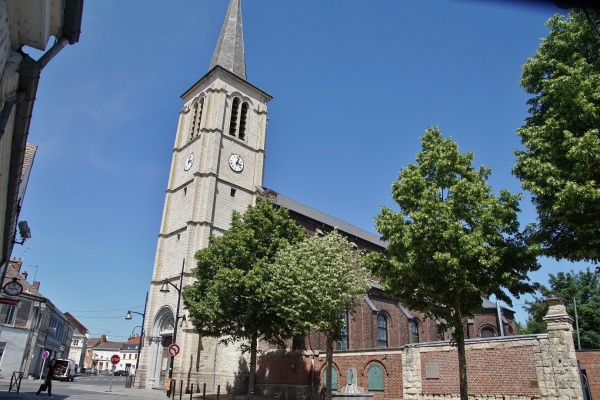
(79, 341)
(25, 23)
(129, 355)
(217, 167)
(31, 325)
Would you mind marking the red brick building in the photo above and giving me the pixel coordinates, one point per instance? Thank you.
(380, 327)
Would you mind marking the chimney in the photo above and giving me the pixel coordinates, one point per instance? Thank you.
(25, 274)
(16, 263)
(36, 286)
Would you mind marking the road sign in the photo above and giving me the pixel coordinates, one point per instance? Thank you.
(115, 359)
(45, 354)
(174, 349)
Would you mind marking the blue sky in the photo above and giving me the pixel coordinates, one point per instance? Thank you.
(355, 84)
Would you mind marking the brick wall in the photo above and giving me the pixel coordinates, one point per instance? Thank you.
(507, 368)
(490, 371)
(590, 362)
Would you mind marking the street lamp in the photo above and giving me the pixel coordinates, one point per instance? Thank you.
(165, 289)
(133, 330)
(128, 317)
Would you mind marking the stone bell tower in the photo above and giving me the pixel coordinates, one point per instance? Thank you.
(217, 166)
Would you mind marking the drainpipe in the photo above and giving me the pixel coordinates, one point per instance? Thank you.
(500, 323)
(7, 110)
(22, 107)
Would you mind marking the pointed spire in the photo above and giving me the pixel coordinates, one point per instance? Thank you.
(229, 53)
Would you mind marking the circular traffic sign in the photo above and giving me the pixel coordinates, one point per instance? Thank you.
(115, 359)
(13, 288)
(45, 354)
(174, 349)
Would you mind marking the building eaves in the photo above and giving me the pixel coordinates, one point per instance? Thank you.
(326, 219)
(78, 325)
(370, 304)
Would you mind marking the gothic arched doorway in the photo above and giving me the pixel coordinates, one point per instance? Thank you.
(160, 340)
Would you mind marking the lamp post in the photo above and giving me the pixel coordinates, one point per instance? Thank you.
(128, 317)
(165, 289)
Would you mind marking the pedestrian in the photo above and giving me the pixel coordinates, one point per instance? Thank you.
(47, 385)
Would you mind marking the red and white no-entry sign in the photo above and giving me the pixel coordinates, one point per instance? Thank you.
(115, 359)
(174, 349)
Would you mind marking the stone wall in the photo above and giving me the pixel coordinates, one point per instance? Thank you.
(522, 367)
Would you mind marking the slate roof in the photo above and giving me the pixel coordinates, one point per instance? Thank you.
(229, 52)
(326, 219)
(109, 346)
(78, 325)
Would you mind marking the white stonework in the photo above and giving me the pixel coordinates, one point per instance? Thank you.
(202, 192)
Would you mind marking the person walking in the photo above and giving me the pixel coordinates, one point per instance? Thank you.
(47, 385)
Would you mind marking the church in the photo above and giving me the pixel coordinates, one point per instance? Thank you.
(217, 167)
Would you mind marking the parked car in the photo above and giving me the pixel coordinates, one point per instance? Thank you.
(121, 373)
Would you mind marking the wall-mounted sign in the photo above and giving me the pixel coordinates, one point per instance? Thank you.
(13, 288)
(9, 301)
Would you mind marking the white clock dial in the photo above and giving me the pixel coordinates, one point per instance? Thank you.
(236, 163)
(189, 161)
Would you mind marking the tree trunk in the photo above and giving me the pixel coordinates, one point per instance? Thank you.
(462, 361)
(252, 378)
(329, 367)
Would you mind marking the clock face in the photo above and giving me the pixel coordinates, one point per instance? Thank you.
(236, 163)
(189, 161)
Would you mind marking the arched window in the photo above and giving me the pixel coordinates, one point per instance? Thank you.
(382, 338)
(333, 381)
(235, 109)
(342, 344)
(375, 375)
(414, 331)
(197, 118)
(242, 133)
(487, 331)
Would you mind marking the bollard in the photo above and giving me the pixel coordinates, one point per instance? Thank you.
(191, 391)
(218, 391)
(204, 392)
(180, 389)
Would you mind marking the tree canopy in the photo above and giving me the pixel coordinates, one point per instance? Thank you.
(452, 239)
(321, 278)
(560, 163)
(227, 300)
(580, 289)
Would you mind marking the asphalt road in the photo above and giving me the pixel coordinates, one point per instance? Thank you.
(82, 388)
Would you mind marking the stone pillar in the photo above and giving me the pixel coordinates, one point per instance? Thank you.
(562, 375)
(411, 373)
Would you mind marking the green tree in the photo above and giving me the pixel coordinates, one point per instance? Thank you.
(226, 300)
(577, 288)
(322, 279)
(452, 240)
(560, 164)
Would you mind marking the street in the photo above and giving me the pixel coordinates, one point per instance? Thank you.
(82, 388)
